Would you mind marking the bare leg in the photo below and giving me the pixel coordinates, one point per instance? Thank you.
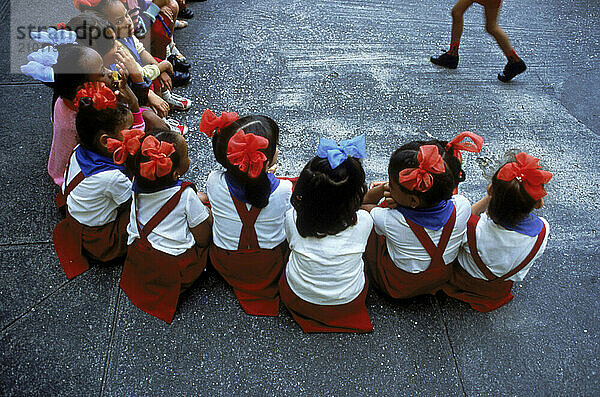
(457, 13)
(491, 26)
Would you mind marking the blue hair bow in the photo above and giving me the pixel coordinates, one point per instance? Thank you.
(337, 153)
(40, 64)
(54, 37)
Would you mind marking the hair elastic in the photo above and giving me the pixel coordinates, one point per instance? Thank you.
(129, 146)
(337, 153)
(209, 122)
(527, 171)
(458, 143)
(420, 179)
(102, 96)
(243, 150)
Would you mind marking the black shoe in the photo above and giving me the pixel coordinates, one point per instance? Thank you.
(511, 70)
(185, 13)
(179, 64)
(446, 60)
(180, 79)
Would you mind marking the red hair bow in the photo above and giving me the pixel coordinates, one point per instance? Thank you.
(527, 170)
(210, 122)
(101, 95)
(89, 3)
(243, 150)
(159, 152)
(420, 178)
(130, 145)
(457, 144)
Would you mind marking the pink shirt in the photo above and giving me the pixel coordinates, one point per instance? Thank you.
(64, 140)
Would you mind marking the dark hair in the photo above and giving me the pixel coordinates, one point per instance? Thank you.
(448, 155)
(256, 189)
(93, 31)
(510, 202)
(443, 184)
(133, 162)
(91, 122)
(326, 199)
(66, 83)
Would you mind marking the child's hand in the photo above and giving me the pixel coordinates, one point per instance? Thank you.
(203, 197)
(167, 13)
(272, 169)
(165, 81)
(160, 107)
(387, 197)
(124, 57)
(127, 96)
(166, 66)
(373, 185)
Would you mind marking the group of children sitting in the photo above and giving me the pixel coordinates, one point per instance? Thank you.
(318, 241)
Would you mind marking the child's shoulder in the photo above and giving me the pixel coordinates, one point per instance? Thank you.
(461, 201)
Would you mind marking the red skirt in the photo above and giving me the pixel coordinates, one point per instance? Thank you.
(349, 317)
(395, 282)
(253, 274)
(153, 279)
(76, 243)
(482, 295)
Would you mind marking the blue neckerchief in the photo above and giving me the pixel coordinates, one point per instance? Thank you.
(138, 189)
(92, 163)
(433, 218)
(128, 42)
(530, 226)
(238, 192)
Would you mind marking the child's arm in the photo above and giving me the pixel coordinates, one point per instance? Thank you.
(481, 206)
(165, 68)
(373, 196)
(203, 232)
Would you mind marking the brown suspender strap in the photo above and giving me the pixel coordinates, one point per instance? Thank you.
(162, 213)
(528, 258)
(435, 252)
(248, 237)
(61, 198)
(472, 241)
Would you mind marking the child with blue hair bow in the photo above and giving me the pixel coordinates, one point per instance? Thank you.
(324, 285)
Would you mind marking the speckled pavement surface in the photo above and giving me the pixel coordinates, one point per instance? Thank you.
(332, 68)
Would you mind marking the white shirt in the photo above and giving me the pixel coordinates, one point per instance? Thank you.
(404, 247)
(173, 235)
(227, 225)
(94, 202)
(500, 249)
(328, 270)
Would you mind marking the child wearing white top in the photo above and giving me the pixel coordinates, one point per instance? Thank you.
(169, 227)
(96, 191)
(324, 285)
(249, 206)
(421, 232)
(502, 244)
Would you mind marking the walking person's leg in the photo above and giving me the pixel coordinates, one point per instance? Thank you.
(449, 59)
(515, 64)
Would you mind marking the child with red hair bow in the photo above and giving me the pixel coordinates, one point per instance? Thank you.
(169, 227)
(249, 205)
(95, 190)
(419, 235)
(503, 242)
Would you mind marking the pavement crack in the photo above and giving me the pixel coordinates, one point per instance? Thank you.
(26, 244)
(32, 308)
(436, 303)
(110, 342)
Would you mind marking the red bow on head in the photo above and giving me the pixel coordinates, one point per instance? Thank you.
(61, 26)
(420, 178)
(130, 145)
(457, 144)
(210, 122)
(101, 95)
(159, 152)
(89, 3)
(243, 150)
(527, 170)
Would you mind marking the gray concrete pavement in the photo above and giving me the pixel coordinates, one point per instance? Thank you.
(332, 68)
